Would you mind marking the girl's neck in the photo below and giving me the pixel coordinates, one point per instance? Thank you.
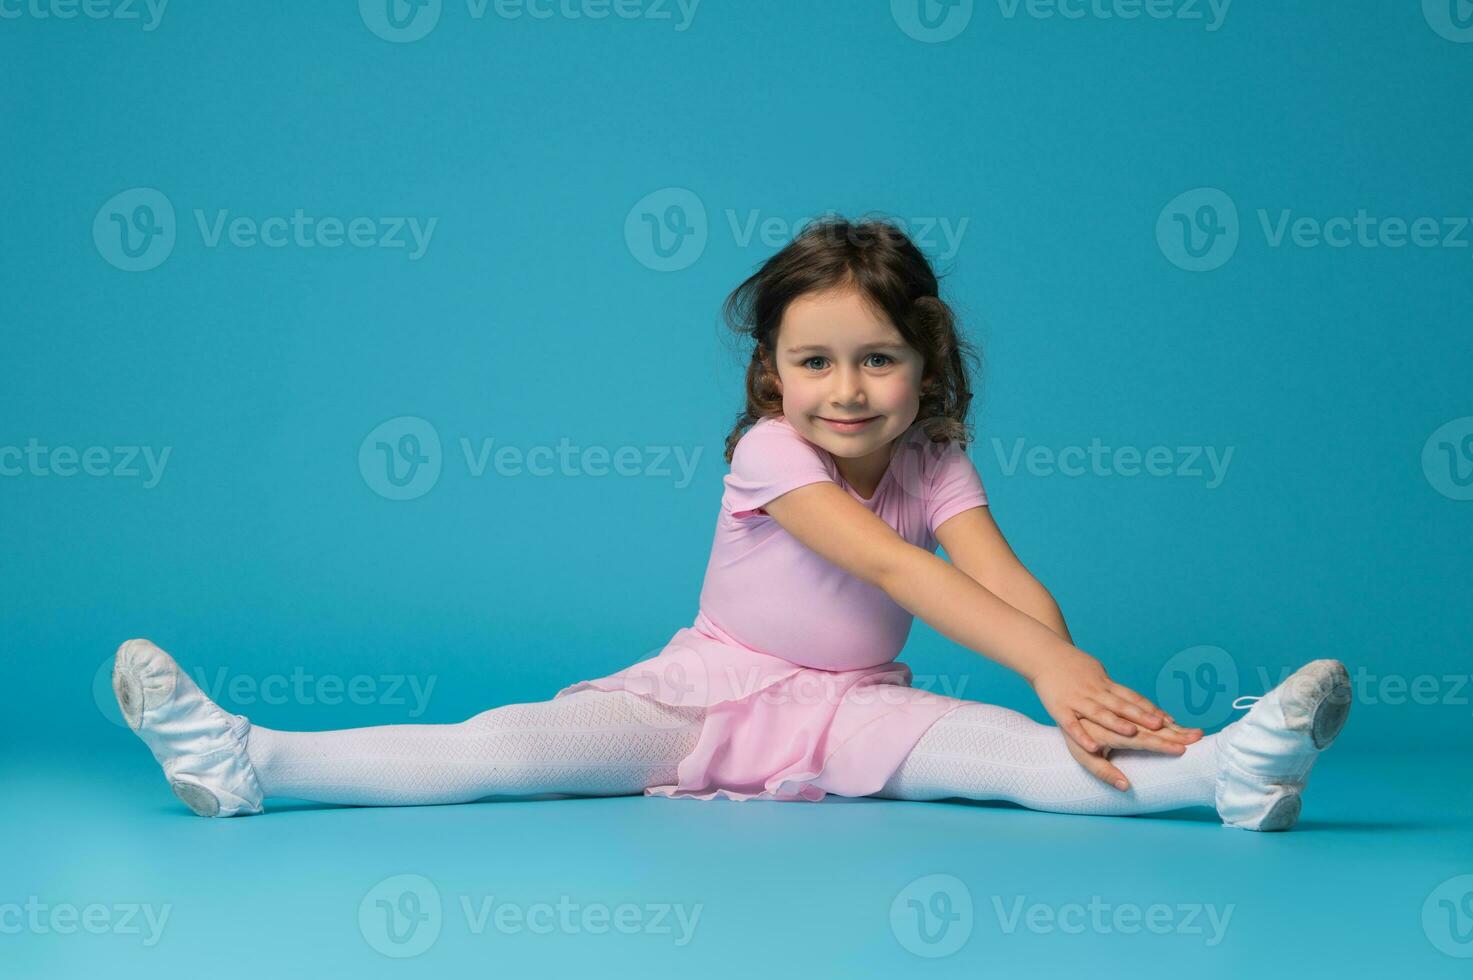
(865, 473)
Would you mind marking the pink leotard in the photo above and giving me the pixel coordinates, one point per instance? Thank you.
(793, 657)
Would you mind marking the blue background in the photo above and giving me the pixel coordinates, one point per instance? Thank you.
(1053, 144)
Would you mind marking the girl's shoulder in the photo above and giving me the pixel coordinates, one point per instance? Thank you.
(769, 459)
(772, 432)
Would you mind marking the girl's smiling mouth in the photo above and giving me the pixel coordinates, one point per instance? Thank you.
(847, 425)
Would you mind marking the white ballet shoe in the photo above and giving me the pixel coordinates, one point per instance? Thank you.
(201, 747)
(1265, 756)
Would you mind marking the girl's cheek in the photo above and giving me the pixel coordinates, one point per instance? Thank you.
(902, 392)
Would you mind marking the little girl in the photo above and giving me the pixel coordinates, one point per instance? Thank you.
(848, 470)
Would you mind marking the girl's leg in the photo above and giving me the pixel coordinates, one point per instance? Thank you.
(597, 743)
(591, 742)
(988, 752)
(1251, 773)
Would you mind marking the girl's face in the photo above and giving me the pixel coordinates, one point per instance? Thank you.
(837, 359)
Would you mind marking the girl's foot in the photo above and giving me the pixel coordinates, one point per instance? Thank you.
(1264, 757)
(201, 747)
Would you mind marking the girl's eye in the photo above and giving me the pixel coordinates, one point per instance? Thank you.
(885, 358)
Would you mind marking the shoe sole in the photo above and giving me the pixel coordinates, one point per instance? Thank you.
(1329, 707)
(196, 797)
(128, 687)
(1323, 688)
(129, 694)
(1330, 714)
(1284, 814)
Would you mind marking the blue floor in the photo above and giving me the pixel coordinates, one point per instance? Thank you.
(636, 886)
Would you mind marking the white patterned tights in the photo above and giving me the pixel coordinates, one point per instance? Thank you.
(601, 743)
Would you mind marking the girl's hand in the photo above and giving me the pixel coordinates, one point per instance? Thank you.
(1074, 687)
(1170, 739)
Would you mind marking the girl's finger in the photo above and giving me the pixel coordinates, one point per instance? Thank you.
(1146, 741)
(1151, 742)
(1176, 736)
(1106, 718)
(1132, 695)
(1098, 767)
(1077, 732)
(1173, 733)
(1106, 772)
(1136, 697)
(1129, 709)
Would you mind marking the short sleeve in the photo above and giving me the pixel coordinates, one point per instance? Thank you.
(954, 486)
(770, 459)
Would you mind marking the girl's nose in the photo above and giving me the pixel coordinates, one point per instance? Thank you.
(850, 389)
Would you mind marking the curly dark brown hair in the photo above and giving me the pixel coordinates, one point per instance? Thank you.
(880, 260)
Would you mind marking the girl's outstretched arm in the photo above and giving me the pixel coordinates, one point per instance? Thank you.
(975, 544)
(1071, 684)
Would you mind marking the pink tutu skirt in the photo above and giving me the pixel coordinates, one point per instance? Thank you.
(775, 730)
